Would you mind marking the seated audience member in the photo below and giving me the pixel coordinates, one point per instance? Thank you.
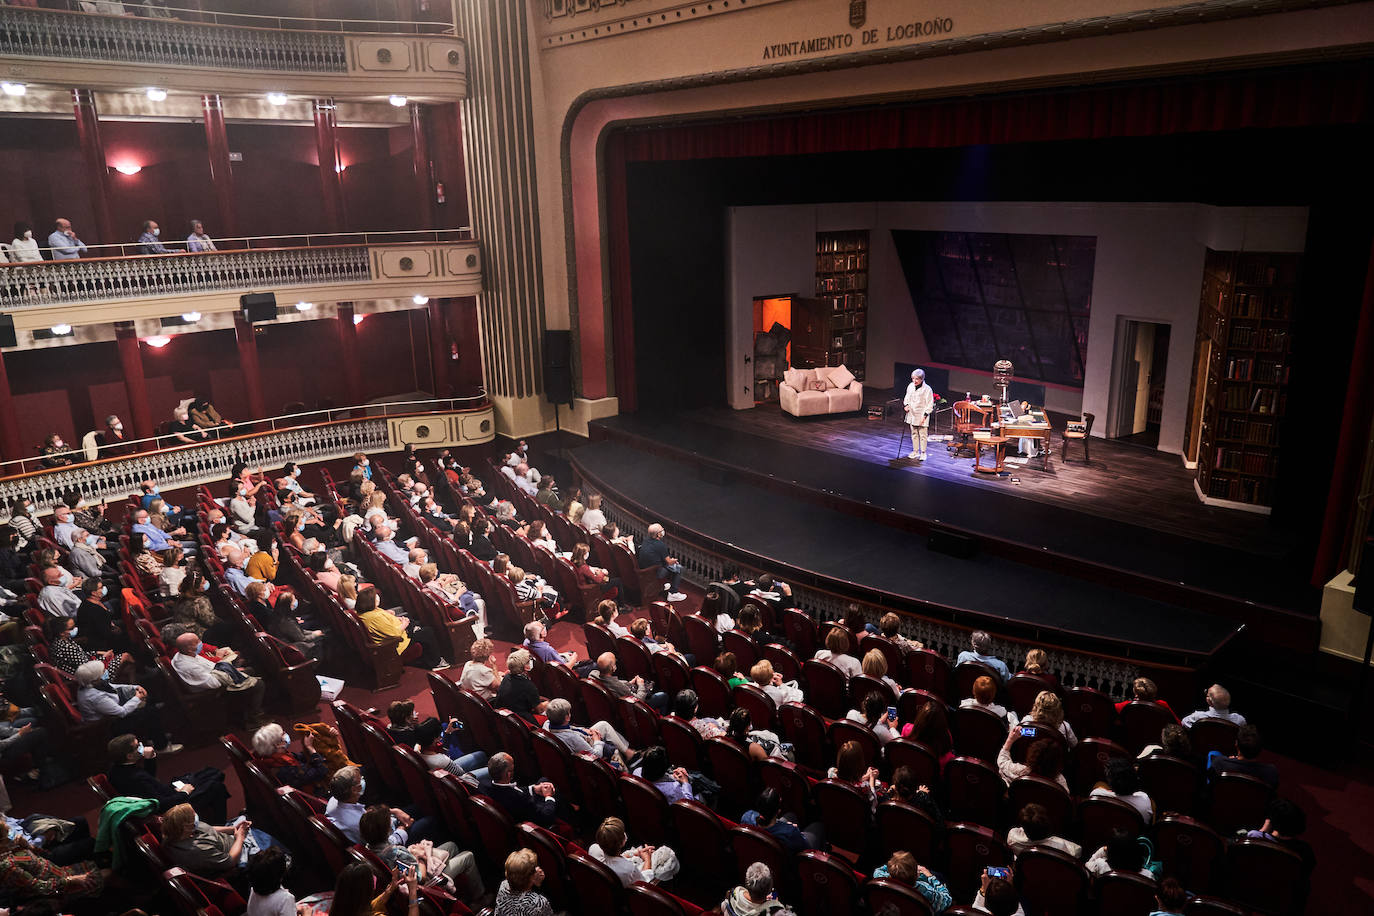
(890, 626)
(1043, 758)
(535, 803)
(459, 867)
(903, 868)
(183, 431)
(149, 241)
(997, 897)
(547, 495)
(345, 811)
(1037, 663)
(836, 652)
(173, 571)
(685, 706)
(267, 896)
(1123, 852)
(777, 594)
(133, 772)
(517, 692)
(154, 538)
(418, 646)
(198, 241)
(356, 893)
(307, 770)
(66, 654)
(323, 571)
(727, 666)
(23, 737)
(529, 587)
(984, 692)
(281, 621)
(536, 640)
(1246, 758)
(601, 740)
(1173, 741)
(24, 247)
(199, 673)
(97, 698)
(48, 558)
(606, 611)
(635, 687)
(55, 598)
(906, 787)
(481, 547)
(629, 865)
(517, 895)
(65, 527)
(149, 564)
(931, 728)
(1035, 828)
(433, 738)
(750, 623)
(728, 590)
(849, 767)
(587, 574)
(88, 559)
(348, 591)
(22, 523)
(1144, 690)
(758, 743)
(593, 518)
(875, 666)
(1284, 824)
(772, 683)
(1048, 712)
(1218, 707)
(1121, 782)
(654, 553)
(755, 897)
(56, 453)
(205, 416)
(783, 826)
(96, 619)
(1171, 899)
(415, 558)
(875, 717)
(674, 782)
(29, 877)
(387, 546)
(243, 508)
(643, 630)
(206, 849)
(982, 652)
(479, 672)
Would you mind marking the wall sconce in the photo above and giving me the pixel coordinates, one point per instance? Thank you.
(358, 319)
(420, 299)
(128, 168)
(156, 95)
(158, 342)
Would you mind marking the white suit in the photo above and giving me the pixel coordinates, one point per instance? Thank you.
(919, 404)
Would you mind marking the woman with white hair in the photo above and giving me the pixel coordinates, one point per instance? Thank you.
(755, 896)
(593, 519)
(920, 404)
(307, 771)
(97, 698)
(517, 692)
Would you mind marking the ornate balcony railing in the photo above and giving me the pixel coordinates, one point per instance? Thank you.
(165, 42)
(315, 436)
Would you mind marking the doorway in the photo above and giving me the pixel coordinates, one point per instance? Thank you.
(1141, 358)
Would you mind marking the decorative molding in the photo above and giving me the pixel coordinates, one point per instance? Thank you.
(570, 22)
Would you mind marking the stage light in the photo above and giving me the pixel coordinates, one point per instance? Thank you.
(158, 342)
(61, 330)
(190, 317)
(156, 95)
(340, 167)
(277, 98)
(420, 299)
(304, 306)
(398, 101)
(128, 168)
(14, 88)
(358, 319)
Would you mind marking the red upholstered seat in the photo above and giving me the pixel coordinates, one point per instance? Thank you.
(703, 848)
(731, 768)
(978, 733)
(927, 670)
(893, 898)
(974, 789)
(713, 692)
(646, 810)
(904, 826)
(1238, 802)
(830, 886)
(1100, 816)
(1171, 782)
(1125, 893)
(805, 729)
(846, 814)
(596, 887)
(1090, 762)
(827, 688)
(1191, 852)
(1024, 688)
(1265, 877)
(1091, 712)
(1025, 790)
(1051, 883)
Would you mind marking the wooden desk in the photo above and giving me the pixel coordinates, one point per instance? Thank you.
(1029, 430)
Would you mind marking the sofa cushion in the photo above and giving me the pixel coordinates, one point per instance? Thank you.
(842, 400)
(815, 384)
(823, 373)
(840, 376)
(811, 403)
(797, 378)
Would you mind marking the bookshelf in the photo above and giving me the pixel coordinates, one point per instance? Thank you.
(1244, 324)
(842, 290)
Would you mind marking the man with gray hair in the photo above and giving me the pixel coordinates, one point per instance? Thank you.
(536, 803)
(982, 652)
(1218, 707)
(600, 740)
(755, 896)
(920, 404)
(653, 553)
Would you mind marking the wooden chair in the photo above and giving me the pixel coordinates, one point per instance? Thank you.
(1083, 437)
(966, 422)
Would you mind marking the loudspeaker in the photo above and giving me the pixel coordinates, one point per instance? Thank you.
(258, 307)
(942, 540)
(558, 380)
(7, 336)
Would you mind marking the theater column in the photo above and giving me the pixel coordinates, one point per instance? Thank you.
(498, 149)
(97, 172)
(131, 364)
(419, 163)
(11, 446)
(348, 354)
(438, 345)
(248, 365)
(327, 148)
(221, 172)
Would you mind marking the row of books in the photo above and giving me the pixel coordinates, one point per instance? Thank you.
(846, 320)
(1257, 271)
(1238, 489)
(1234, 459)
(1247, 335)
(1252, 432)
(848, 339)
(1261, 400)
(826, 263)
(1261, 305)
(849, 301)
(842, 283)
(835, 243)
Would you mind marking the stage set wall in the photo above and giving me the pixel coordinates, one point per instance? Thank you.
(1147, 267)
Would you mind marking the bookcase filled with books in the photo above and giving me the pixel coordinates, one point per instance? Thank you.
(842, 284)
(1244, 321)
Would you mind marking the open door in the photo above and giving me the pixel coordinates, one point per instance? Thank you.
(1140, 360)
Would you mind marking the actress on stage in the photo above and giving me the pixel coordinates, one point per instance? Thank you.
(919, 403)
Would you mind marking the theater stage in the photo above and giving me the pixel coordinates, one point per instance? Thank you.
(1113, 549)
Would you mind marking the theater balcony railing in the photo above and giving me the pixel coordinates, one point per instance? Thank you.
(319, 435)
(233, 53)
(116, 285)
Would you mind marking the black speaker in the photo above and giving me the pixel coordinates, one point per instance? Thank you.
(258, 307)
(558, 380)
(942, 540)
(7, 337)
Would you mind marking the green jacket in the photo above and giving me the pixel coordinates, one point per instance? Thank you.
(115, 812)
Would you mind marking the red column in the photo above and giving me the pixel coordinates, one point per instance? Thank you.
(327, 148)
(10, 444)
(97, 173)
(348, 353)
(438, 345)
(131, 363)
(248, 364)
(419, 160)
(221, 172)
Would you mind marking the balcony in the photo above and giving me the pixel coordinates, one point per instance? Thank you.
(114, 285)
(256, 53)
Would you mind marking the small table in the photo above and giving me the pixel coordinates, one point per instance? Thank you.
(996, 443)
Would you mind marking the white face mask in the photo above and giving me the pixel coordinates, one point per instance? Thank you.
(72, 632)
(140, 750)
(157, 232)
(28, 234)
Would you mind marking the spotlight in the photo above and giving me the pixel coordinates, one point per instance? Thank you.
(398, 101)
(158, 342)
(277, 98)
(61, 330)
(128, 168)
(190, 317)
(304, 306)
(358, 319)
(14, 88)
(156, 95)
(420, 299)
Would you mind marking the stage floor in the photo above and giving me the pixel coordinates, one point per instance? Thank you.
(1130, 508)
